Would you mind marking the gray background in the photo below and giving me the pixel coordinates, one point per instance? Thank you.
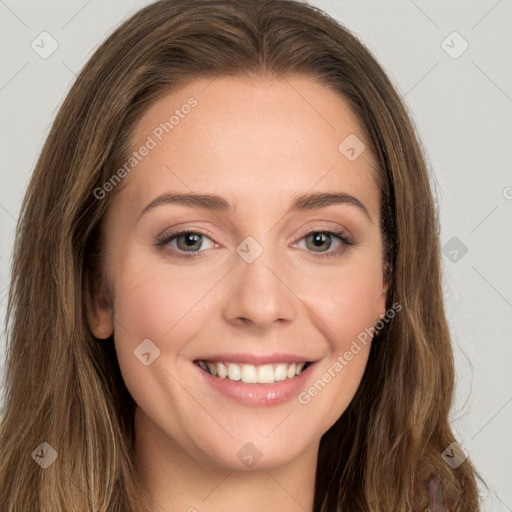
(462, 107)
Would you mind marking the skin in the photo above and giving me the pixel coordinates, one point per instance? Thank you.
(257, 143)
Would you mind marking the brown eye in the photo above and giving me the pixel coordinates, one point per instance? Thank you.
(191, 242)
(319, 240)
(185, 243)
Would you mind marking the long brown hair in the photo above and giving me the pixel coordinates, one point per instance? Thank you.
(64, 387)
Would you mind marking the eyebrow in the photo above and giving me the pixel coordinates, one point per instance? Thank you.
(214, 202)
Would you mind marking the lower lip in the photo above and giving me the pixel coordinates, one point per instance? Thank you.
(258, 395)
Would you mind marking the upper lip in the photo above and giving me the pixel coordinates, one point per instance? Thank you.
(255, 359)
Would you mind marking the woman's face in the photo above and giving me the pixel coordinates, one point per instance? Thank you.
(255, 285)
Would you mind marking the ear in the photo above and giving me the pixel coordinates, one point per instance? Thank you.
(98, 306)
(380, 303)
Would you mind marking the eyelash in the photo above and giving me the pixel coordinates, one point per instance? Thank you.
(165, 238)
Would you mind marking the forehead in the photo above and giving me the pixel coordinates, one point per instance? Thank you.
(250, 140)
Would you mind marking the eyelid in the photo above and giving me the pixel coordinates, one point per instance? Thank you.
(169, 235)
(344, 238)
(334, 230)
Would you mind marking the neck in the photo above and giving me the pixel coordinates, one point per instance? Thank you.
(181, 482)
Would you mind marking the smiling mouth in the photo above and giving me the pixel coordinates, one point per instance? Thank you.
(253, 374)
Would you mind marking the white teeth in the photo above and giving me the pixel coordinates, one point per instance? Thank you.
(252, 374)
(290, 373)
(280, 372)
(265, 374)
(249, 374)
(233, 371)
(222, 371)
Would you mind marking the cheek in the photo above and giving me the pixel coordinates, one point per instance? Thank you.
(157, 303)
(345, 300)
(344, 303)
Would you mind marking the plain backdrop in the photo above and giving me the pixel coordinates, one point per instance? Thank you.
(451, 63)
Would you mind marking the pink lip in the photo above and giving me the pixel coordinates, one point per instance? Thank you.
(255, 359)
(257, 395)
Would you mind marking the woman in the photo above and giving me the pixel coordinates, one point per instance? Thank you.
(177, 340)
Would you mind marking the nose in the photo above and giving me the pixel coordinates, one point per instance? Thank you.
(258, 293)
